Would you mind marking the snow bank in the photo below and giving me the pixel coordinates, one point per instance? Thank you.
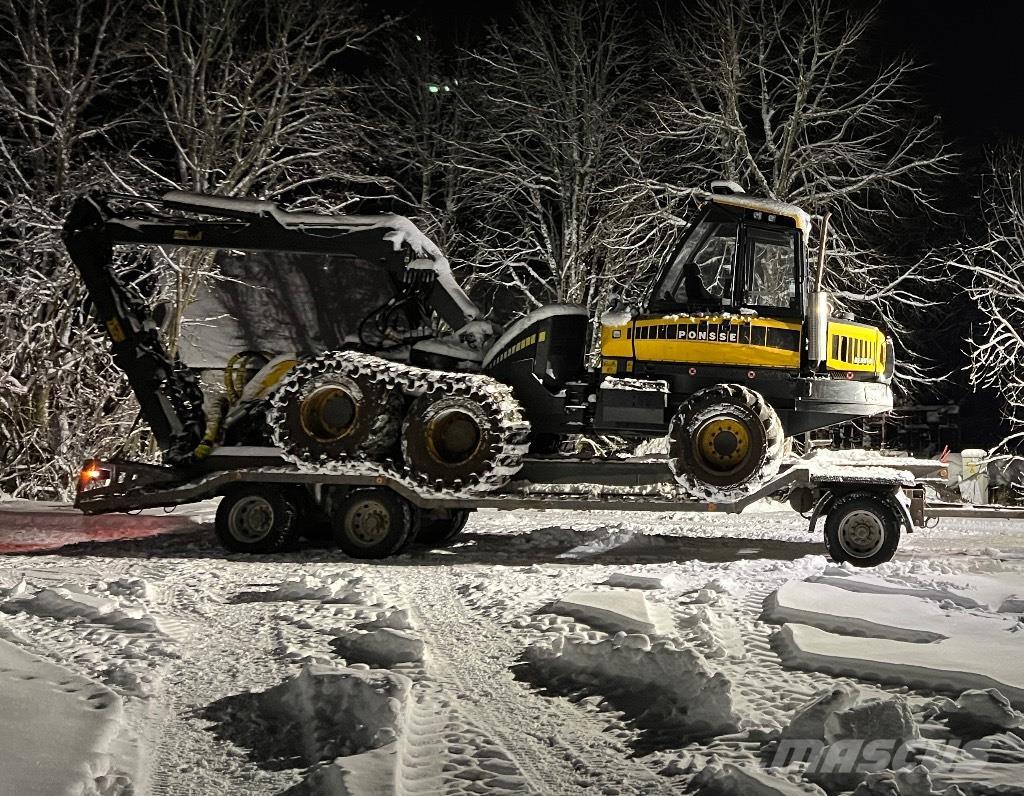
(873, 584)
(671, 687)
(718, 634)
(866, 613)
(382, 647)
(978, 712)
(728, 779)
(333, 588)
(950, 665)
(584, 543)
(364, 731)
(874, 718)
(333, 712)
(626, 580)
(57, 728)
(63, 603)
(366, 773)
(612, 611)
(395, 618)
(810, 719)
(904, 782)
(882, 633)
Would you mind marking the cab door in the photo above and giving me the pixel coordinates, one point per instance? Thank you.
(771, 272)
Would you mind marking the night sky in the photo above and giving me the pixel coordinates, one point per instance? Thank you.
(973, 50)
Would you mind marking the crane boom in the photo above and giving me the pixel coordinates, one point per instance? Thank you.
(168, 393)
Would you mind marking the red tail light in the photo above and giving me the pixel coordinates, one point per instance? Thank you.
(93, 475)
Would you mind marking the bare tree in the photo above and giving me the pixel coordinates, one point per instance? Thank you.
(411, 117)
(996, 266)
(549, 106)
(785, 98)
(238, 97)
(62, 65)
(249, 104)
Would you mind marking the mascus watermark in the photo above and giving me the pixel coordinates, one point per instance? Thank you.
(859, 756)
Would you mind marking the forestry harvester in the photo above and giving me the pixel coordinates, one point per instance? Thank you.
(731, 349)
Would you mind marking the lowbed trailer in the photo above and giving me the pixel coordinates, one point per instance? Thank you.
(268, 502)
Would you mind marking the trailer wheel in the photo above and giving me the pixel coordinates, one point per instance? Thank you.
(373, 523)
(441, 531)
(863, 529)
(256, 519)
(724, 441)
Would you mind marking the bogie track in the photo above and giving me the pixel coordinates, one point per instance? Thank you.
(393, 387)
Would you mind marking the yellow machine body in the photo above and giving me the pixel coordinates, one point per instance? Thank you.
(745, 341)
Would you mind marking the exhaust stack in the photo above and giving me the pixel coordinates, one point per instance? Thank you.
(818, 305)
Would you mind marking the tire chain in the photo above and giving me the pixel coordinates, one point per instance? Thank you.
(411, 381)
(774, 437)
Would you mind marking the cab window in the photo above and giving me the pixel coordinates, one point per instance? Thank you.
(771, 280)
(702, 271)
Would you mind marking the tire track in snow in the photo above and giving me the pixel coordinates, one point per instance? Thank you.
(225, 649)
(422, 746)
(558, 748)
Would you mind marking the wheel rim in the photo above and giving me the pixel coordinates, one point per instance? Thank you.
(453, 437)
(723, 443)
(328, 413)
(861, 534)
(368, 522)
(251, 519)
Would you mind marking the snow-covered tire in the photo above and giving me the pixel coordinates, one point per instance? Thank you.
(441, 531)
(332, 411)
(471, 435)
(863, 529)
(724, 442)
(373, 523)
(257, 518)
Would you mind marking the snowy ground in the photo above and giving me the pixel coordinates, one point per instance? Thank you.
(549, 652)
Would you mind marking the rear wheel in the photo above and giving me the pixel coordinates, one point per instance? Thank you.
(440, 531)
(257, 518)
(724, 442)
(863, 529)
(372, 523)
(457, 441)
(334, 415)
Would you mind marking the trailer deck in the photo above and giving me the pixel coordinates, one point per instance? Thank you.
(879, 500)
(640, 484)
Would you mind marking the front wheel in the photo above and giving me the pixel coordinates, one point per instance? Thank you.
(257, 518)
(863, 529)
(724, 442)
(373, 523)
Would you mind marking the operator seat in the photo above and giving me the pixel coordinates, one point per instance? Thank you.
(696, 292)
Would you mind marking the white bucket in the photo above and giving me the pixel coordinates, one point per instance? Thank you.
(974, 481)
